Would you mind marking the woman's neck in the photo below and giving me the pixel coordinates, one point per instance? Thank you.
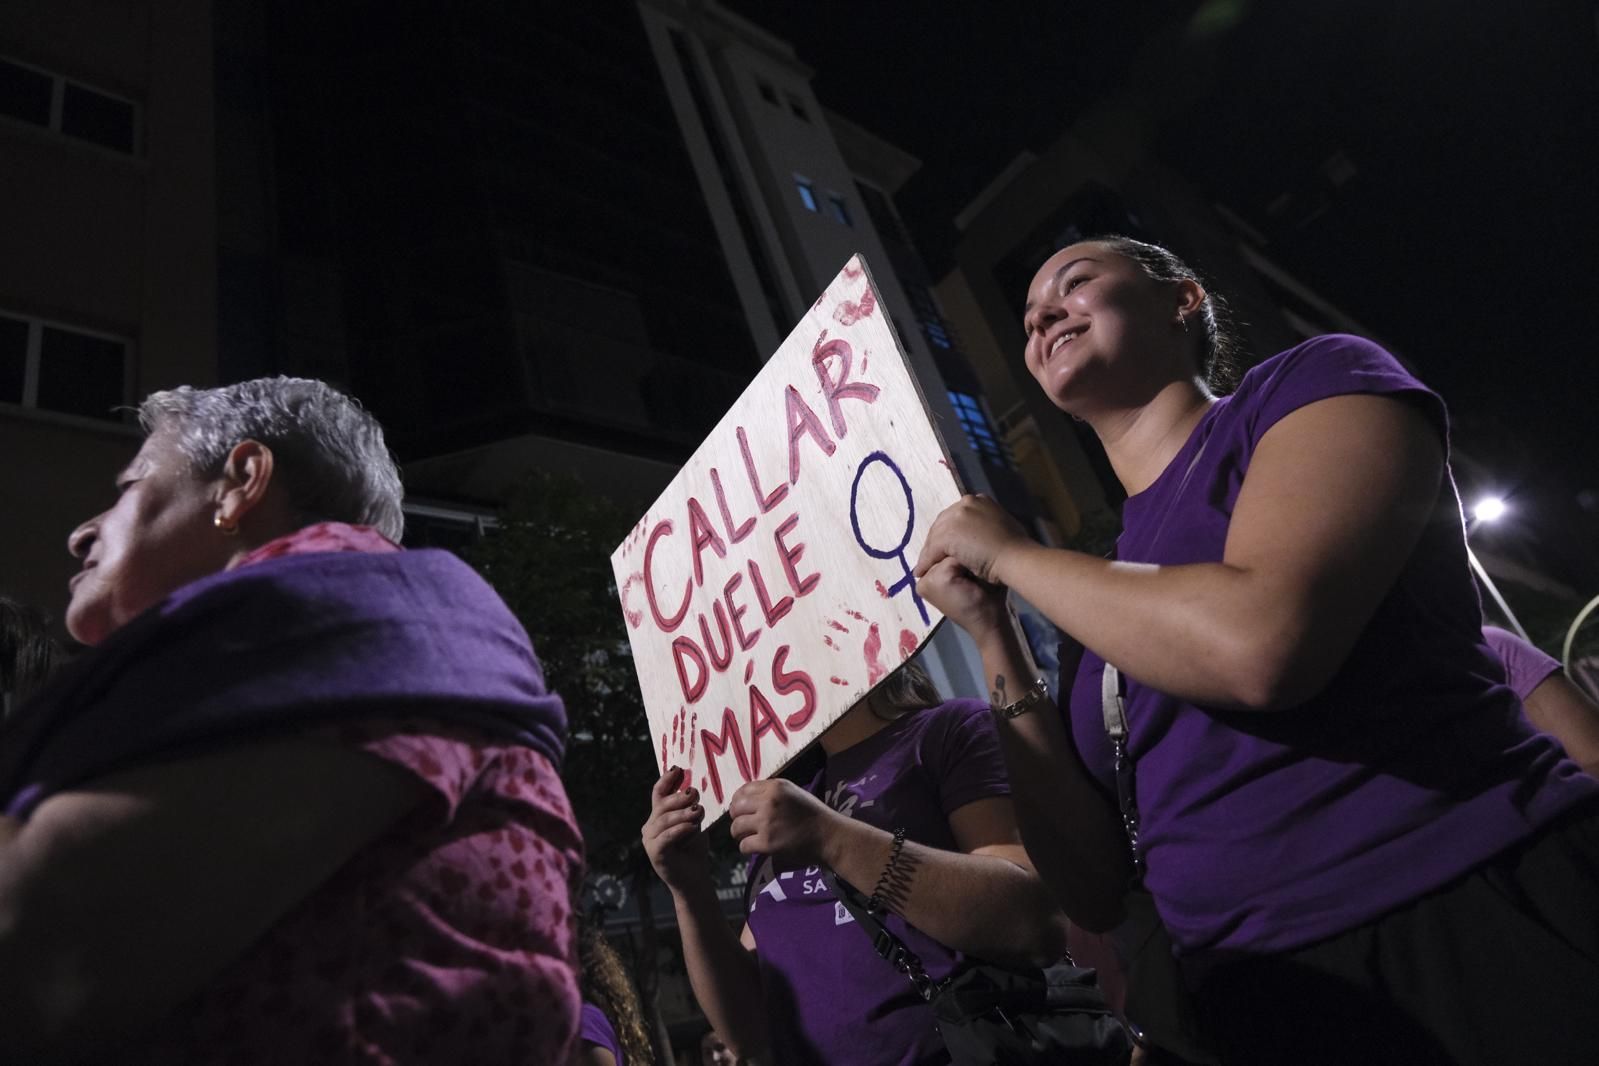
(1141, 441)
(857, 724)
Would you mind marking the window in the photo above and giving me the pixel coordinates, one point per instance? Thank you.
(807, 194)
(25, 93)
(105, 120)
(768, 93)
(979, 434)
(67, 107)
(838, 209)
(13, 358)
(57, 368)
(798, 108)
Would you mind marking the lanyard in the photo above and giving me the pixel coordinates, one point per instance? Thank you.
(1113, 707)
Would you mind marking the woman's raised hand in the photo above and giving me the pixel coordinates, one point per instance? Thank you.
(974, 531)
(778, 818)
(672, 837)
(975, 605)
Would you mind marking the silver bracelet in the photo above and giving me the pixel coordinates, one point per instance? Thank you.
(1036, 693)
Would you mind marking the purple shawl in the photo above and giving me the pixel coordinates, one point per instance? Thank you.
(285, 644)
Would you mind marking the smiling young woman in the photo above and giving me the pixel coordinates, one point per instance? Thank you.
(1335, 799)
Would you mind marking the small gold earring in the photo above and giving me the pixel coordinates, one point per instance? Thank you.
(226, 528)
(1181, 321)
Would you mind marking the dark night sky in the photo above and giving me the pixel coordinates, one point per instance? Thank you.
(1468, 238)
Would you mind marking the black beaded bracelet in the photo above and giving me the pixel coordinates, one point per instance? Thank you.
(888, 882)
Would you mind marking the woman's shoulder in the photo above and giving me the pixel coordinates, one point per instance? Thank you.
(960, 709)
(952, 731)
(1330, 355)
(1333, 364)
(960, 714)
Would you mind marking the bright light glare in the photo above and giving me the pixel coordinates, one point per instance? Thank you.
(1488, 509)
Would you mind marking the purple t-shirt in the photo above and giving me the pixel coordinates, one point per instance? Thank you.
(595, 1028)
(1526, 667)
(1268, 831)
(829, 997)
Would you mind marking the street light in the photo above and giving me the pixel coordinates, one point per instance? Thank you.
(1490, 509)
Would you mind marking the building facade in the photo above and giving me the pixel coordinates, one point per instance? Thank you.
(794, 190)
(107, 290)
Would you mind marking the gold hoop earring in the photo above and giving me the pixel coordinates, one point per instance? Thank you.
(226, 528)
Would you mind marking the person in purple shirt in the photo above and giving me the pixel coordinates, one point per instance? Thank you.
(1339, 809)
(1553, 704)
(913, 802)
(611, 1028)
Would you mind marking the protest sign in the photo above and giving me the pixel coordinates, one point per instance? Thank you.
(769, 588)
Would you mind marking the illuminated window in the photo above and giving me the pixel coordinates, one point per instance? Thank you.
(807, 194)
(979, 434)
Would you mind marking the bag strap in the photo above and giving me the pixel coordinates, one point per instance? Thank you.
(885, 944)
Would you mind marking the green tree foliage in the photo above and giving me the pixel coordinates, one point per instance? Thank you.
(550, 561)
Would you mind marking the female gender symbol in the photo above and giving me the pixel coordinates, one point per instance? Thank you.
(898, 550)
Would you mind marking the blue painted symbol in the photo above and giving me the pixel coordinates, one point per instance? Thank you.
(898, 550)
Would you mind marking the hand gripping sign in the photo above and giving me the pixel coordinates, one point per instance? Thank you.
(769, 588)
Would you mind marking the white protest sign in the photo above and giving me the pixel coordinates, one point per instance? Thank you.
(769, 588)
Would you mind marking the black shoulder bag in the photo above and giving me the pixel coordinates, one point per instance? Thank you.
(992, 1015)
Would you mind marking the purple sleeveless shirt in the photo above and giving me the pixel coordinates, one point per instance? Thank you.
(1268, 831)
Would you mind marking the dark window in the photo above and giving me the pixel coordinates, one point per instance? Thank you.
(436, 531)
(24, 93)
(839, 209)
(807, 194)
(96, 117)
(768, 93)
(798, 108)
(13, 358)
(80, 374)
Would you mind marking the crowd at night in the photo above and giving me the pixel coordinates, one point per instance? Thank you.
(694, 532)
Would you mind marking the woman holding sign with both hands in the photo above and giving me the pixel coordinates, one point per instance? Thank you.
(914, 803)
(1362, 851)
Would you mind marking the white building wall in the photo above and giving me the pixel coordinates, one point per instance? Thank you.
(776, 135)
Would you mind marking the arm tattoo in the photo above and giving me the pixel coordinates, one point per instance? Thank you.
(999, 690)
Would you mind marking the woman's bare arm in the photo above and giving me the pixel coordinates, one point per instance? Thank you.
(1561, 709)
(722, 966)
(1335, 499)
(984, 899)
(1073, 834)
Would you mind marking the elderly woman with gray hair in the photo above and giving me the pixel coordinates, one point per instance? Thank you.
(300, 803)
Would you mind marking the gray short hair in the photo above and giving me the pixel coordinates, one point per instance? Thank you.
(328, 450)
